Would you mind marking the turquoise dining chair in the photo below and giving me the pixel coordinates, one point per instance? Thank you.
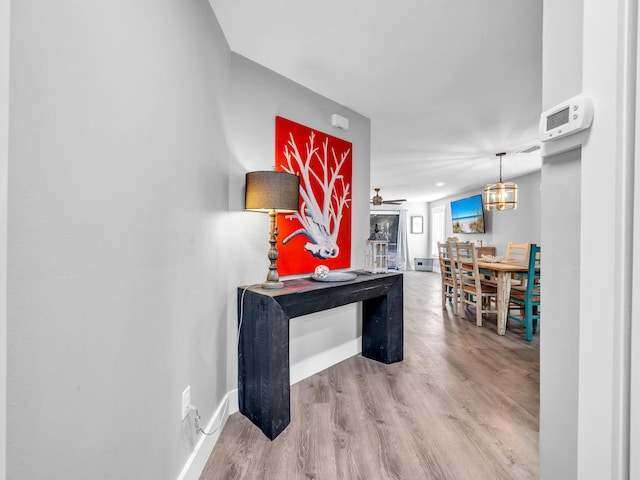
(526, 297)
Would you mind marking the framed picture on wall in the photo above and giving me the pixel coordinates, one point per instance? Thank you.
(417, 224)
(320, 232)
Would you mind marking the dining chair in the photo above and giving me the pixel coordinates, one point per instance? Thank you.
(448, 275)
(526, 297)
(474, 291)
(517, 252)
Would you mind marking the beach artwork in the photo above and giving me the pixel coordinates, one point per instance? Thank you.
(467, 215)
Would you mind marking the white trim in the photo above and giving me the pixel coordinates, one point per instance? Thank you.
(634, 387)
(198, 459)
(311, 366)
(626, 135)
(232, 398)
(606, 225)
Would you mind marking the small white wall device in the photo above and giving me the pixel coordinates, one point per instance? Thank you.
(566, 118)
(339, 121)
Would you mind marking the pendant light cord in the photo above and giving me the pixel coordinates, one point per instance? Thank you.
(500, 155)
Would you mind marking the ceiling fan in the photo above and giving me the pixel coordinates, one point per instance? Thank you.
(377, 199)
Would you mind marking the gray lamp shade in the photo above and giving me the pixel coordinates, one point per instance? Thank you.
(271, 190)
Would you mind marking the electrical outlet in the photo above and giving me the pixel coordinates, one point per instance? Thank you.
(186, 401)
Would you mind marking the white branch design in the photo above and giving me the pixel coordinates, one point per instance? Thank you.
(320, 217)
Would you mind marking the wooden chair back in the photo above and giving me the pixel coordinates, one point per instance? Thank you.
(443, 250)
(517, 252)
(448, 275)
(473, 291)
(467, 262)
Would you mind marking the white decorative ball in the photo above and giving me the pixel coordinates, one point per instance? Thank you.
(322, 271)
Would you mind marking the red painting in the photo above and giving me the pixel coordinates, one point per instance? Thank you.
(320, 232)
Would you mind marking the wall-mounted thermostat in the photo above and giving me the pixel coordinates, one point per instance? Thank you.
(566, 118)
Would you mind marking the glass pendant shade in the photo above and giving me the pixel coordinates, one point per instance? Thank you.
(502, 195)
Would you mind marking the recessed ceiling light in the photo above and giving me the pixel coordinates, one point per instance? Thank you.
(440, 184)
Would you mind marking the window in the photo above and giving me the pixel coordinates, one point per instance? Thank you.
(437, 229)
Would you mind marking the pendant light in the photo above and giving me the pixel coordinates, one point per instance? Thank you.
(501, 195)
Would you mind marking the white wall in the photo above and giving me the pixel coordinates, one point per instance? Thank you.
(559, 344)
(418, 242)
(118, 201)
(560, 326)
(519, 225)
(584, 423)
(609, 69)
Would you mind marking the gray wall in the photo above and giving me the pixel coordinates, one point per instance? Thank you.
(520, 225)
(257, 96)
(4, 164)
(561, 179)
(116, 172)
(132, 127)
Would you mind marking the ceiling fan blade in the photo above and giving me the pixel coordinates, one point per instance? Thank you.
(377, 200)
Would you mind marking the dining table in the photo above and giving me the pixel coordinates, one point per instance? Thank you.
(503, 272)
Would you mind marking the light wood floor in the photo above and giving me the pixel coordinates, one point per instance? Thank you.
(462, 405)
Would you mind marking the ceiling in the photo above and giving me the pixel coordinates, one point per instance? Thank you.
(447, 84)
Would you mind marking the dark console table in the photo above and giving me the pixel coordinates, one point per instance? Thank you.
(263, 349)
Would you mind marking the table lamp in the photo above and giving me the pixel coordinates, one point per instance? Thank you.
(272, 192)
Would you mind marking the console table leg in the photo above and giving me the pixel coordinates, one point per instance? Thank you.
(263, 365)
(382, 326)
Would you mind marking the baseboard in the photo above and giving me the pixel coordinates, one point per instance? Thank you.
(323, 360)
(198, 459)
(232, 397)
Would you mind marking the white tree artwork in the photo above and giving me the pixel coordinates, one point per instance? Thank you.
(319, 214)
